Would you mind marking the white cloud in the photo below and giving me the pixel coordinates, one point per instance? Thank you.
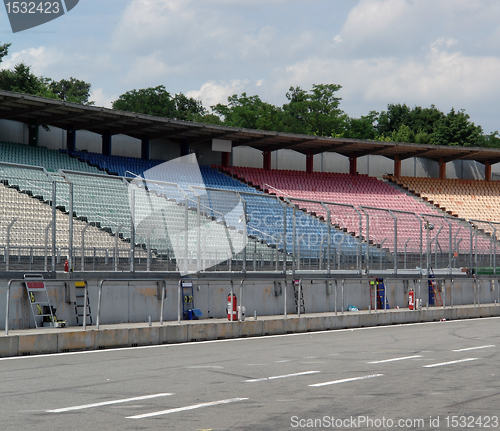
(41, 59)
(98, 96)
(212, 92)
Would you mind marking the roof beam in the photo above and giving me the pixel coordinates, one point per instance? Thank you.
(463, 156)
(23, 111)
(169, 133)
(55, 119)
(217, 136)
(93, 126)
(375, 151)
(137, 127)
(294, 144)
(252, 141)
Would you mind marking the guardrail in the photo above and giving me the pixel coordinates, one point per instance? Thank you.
(23, 280)
(101, 283)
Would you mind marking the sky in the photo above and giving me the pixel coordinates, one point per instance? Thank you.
(419, 52)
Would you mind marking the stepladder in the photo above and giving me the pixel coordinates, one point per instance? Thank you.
(44, 314)
(299, 297)
(82, 305)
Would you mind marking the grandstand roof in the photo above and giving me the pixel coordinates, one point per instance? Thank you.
(38, 110)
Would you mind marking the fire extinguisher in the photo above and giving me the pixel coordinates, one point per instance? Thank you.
(411, 299)
(235, 314)
(66, 266)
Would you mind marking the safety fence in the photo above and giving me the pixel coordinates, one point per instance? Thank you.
(98, 222)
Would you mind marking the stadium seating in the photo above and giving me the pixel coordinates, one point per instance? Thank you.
(362, 192)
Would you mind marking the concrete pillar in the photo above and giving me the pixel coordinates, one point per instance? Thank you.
(184, 148)
(33, 135)
(442, 169)
(71, 139)
(106, 144)
(309, 163)
(225, 159)
(145, 147)
(267, 159)
(353, 165)
(397, 167)
(487, 171)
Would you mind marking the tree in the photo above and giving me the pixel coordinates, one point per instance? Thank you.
(151, 101)
(456, 129)
(22, 80)
(72, 90)
(187, 108)
(4, 50)
(363, 127)
(249, 112)
(316, 112)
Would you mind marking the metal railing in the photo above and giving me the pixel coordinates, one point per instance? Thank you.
(119, 225)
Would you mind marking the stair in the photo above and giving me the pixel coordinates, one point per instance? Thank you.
(299, 302)
(79, 304)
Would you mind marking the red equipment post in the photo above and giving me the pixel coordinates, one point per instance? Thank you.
(411, 299)
(66, 266)
(232, 303)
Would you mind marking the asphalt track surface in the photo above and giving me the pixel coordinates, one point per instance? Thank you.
(442, 375)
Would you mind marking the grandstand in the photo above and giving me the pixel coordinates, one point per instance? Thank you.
(134, 212)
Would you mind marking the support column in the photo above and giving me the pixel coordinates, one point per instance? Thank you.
(33, 135)
(145, 147)
(225, 159)
(106, 144)
(442, 169)
(353, 165)
(397, 167)
(184, 148)
(71, 139)
(267, 159)
(309, 162)
(487, 171)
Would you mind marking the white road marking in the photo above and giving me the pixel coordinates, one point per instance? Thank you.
(107, 403)
(204, 366)
(394, 359)
(474, 348)
(181, 409)
(230, 340)
(334, 382)
(281, 377)
(450, 362)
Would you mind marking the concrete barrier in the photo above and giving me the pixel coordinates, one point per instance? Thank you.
(52, 340)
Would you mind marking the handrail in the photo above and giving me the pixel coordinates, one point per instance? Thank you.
(22, 280)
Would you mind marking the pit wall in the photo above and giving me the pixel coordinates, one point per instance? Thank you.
(137, 301)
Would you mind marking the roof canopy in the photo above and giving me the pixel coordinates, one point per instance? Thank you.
(71, 116)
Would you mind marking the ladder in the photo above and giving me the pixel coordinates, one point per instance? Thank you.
(299, 301)
(434, 292)
(42, 311)
(79, 304)
(187, 298)
(378, 293)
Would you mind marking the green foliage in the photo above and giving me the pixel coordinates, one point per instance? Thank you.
(361, 128)
(151, 101)
(159, 102)
(4, 50)
(455, 129)
(72, 90)
(249, 112)
(315, 112)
